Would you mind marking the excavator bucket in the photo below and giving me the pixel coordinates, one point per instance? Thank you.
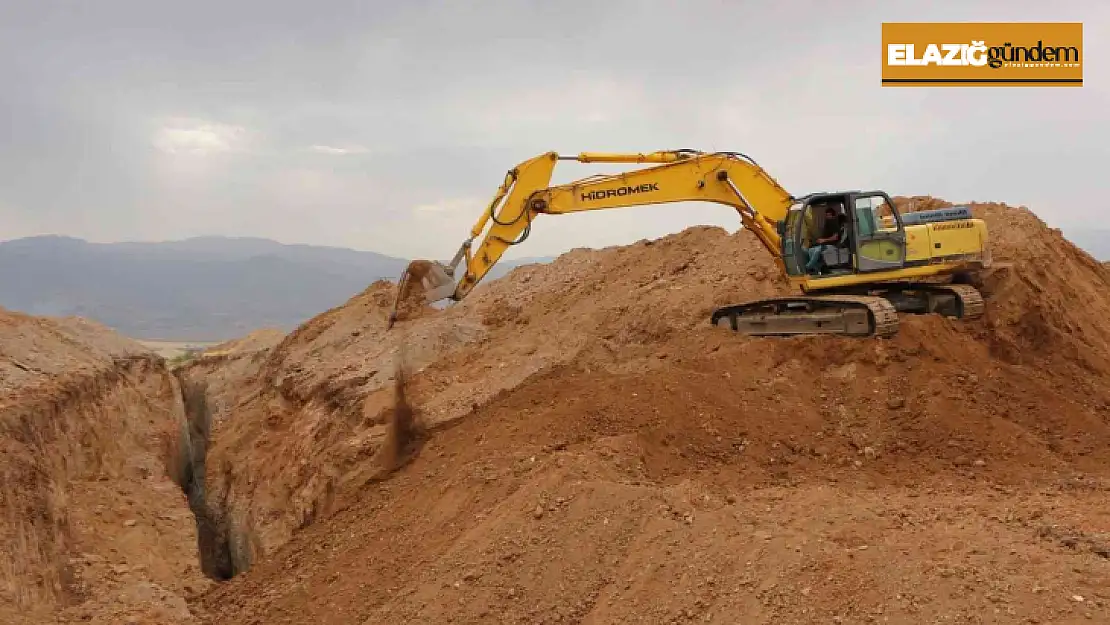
(431, 278)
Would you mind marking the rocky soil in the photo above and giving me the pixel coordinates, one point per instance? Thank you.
(583, 448)
(589, 451)
(94, 529)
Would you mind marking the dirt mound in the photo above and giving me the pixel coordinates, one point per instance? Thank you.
(34, 350)
(255, 341)
(918, 203)
(1048, 297)
(719, 487)
(94, 530)
(597, 451)
(226, 367)
(322, 395)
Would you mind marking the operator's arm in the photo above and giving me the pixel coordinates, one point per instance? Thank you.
(831, 232)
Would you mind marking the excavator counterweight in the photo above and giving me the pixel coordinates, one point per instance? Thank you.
(857, 261)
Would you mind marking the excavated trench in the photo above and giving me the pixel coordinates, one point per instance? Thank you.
(223, 547)
(91, 531)
(225, 544)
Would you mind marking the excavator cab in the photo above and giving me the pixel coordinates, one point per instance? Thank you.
(866, 244)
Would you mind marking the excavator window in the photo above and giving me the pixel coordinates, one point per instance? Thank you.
(883, 211)
(880, 244)
(839, 257)
(794, 231)
(874, 214)
(813, 218)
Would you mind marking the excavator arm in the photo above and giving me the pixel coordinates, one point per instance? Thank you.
(675, 176)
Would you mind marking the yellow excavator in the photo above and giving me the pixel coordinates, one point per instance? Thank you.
(883, 262)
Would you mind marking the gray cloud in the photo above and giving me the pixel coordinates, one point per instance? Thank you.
(387, 126)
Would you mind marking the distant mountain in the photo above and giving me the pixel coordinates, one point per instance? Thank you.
(198, 289)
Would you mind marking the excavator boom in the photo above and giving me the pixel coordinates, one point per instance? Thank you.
(679, 176)
(765, 208)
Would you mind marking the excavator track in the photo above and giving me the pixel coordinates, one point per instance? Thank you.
(961, 301)
(970, 300)
(845, 315)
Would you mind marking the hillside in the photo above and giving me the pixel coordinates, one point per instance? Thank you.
(201, 289)
(587, 450)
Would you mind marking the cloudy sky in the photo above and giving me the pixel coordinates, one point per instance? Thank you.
(387, 125)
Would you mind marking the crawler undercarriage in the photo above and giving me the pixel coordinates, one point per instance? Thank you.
(870, 311)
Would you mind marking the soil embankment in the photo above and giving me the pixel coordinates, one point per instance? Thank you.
(93, 528)
(595, 453)
(573, 444)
